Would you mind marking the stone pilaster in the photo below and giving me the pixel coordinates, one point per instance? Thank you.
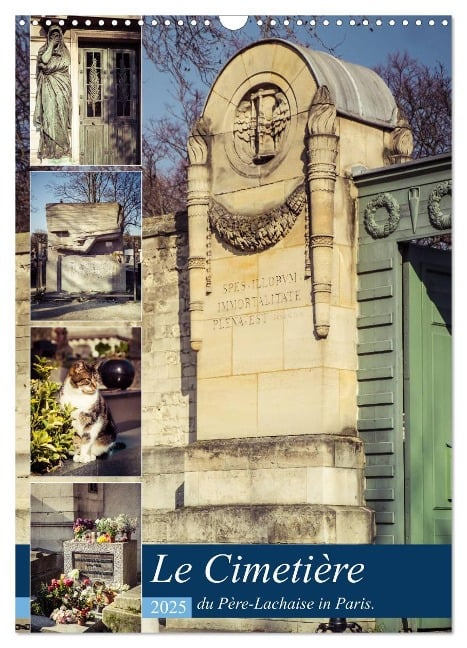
(321, 176)
(198, 200)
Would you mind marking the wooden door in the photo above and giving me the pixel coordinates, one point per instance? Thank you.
(428, 400)
(109, 105)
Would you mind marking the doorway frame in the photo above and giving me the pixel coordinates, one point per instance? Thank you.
(79, 37)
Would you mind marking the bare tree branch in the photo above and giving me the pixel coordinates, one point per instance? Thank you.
(104, 186)
(424, 95)
(22, 125)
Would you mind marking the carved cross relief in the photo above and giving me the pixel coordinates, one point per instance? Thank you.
(260, 124)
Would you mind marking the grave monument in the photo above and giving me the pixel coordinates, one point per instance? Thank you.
(272, 298)
(85, 248)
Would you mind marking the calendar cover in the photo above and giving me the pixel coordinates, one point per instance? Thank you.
(233, 324)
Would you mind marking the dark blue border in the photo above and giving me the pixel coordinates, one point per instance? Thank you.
(397, 581)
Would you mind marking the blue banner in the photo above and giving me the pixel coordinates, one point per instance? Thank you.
(22, 572)
(311, 581)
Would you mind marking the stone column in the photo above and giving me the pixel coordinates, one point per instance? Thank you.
(399, 142)
(198, 199)
(321, 176)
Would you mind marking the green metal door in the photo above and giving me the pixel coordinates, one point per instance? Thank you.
(428, 400)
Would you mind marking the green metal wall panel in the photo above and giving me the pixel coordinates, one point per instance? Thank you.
(382, 286)
(380, 327)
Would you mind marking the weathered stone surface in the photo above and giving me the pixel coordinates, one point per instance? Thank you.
(252, 625)
(122, 554)
(275, 470)
(84, 247)
(124, 614)
(300, 523)
(272, 452)
(168, 370)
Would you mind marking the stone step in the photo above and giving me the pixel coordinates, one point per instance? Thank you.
(124, 614)
(129, 600)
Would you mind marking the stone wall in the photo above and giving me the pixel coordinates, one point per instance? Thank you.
(22, 387)
(169, 371)
(53, 511)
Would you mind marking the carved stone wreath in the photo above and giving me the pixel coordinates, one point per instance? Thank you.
(437, 218)
(258, 232)
(381, 230)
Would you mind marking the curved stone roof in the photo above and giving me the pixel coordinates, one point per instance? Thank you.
(357, 91)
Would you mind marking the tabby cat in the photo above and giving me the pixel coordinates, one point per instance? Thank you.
(95, 431)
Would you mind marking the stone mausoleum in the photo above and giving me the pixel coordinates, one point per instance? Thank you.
(254, 429)
(85, 248)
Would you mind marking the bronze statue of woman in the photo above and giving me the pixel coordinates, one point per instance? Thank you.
(52, 114)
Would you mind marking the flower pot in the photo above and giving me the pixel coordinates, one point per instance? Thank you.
(108, 598)
(117, 373)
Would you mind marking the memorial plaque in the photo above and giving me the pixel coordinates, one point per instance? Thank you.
(93, 565)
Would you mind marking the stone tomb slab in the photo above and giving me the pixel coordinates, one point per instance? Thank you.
(112, 562)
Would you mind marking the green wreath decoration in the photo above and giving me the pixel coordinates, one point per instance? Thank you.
(437, 218)
(390, 204)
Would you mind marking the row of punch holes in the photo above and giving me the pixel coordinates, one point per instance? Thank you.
(325, 22)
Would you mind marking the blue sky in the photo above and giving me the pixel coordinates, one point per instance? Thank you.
(367, 45)
(42, 183)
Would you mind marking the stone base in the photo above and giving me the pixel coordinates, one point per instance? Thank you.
(253, 625)
(307, 469)
(124, 614)
(262, 524)
(123, 564)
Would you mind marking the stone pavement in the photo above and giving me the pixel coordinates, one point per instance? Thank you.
(125, 462)
(89, 307)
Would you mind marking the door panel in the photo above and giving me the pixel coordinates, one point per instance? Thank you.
(109, 105)
(428, 399)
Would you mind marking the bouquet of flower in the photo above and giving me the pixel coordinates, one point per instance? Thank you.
(67, 592)
(63, 615)
(107, 526)
(81, 526)
(71, 599)
(126, 525)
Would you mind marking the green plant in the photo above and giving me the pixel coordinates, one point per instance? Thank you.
(102, 348)
(122, 349)
(51, 424)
